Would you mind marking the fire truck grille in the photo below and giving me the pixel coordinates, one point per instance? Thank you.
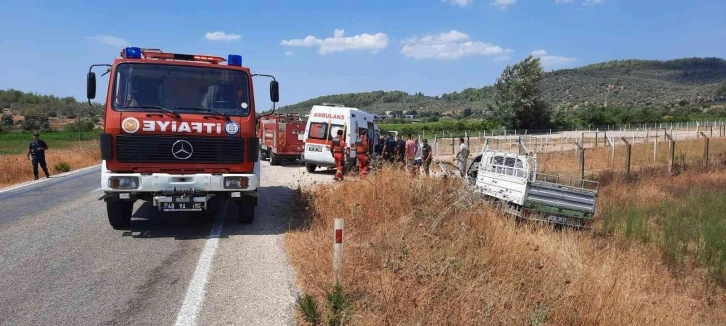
(179, 149)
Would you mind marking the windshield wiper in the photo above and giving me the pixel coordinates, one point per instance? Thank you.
(226, 116)
(153, 107)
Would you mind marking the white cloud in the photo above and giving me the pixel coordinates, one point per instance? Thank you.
(451, 45)
(221, 36)
(289, 53)
(372, 42)
(551, 61)
(594, 2)
(563, 1)
(110, 40)
(460, 3)
(503, 4)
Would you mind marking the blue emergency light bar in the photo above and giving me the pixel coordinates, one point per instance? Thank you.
(132, 53)
(234, 60)
(138, 53)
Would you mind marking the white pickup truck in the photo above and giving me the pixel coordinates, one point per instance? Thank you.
(513, 179)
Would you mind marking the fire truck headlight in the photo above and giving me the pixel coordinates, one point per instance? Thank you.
(236, 182)
(123, 182)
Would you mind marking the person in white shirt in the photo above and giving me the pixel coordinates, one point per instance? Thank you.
(417, 161)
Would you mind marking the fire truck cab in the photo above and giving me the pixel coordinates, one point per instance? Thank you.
(179, 129)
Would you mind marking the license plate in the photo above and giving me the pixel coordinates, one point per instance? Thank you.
(558, 219)
(182, 207)
(315, 149)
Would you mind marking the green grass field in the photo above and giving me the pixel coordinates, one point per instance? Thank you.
(691, 226)
(17, 142)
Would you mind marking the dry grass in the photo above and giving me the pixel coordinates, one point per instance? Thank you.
(16, 168)
(424, 252)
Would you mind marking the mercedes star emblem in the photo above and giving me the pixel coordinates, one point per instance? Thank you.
(182, 149)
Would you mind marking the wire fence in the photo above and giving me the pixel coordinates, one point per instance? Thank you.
(582, 152)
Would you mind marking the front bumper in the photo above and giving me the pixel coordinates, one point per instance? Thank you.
(170, 183)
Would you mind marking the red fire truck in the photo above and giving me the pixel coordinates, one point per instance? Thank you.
(281, 137)
(179, 129)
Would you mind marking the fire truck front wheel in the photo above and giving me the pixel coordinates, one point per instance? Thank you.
(119, 213)
(246, 210)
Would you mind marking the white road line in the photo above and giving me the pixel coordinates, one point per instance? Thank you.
(189, 312)
(6, 189)
(92, 191)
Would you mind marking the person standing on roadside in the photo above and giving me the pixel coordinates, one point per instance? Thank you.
(340, 151)
(462, 156)
(401, 150)
(389, 149)
(410, 153)
(417, 158)
(37, 149)
(426, 156)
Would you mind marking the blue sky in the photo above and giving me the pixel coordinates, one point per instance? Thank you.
(325, 47)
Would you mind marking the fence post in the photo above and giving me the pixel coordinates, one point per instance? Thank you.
(628, 147)
(671, 152)
(338, 248)
(655, 147)
(581, 159)
(452, 144)
(705, 149)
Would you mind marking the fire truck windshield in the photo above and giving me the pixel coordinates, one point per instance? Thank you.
(140, 87)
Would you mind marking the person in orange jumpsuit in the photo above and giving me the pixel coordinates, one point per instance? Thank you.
(339, 151)
(361, 149)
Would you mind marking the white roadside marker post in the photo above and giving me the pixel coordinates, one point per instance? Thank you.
(338, 248)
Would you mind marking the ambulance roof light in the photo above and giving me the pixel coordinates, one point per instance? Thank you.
(234, 60)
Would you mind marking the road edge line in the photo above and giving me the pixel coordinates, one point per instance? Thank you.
(30, 183)
(191, 308)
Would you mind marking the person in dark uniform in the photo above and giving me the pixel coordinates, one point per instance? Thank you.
(37, 149)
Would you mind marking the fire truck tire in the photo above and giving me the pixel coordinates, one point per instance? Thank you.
(246, 210)
(274, 160)
(119, 213)
(310, 167)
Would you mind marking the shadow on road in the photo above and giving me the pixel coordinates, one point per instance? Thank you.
(272, 214)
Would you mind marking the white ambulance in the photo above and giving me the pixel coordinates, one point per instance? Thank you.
(323, 124)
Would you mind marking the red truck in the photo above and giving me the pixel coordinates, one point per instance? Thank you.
(179, 130)
(281, 137)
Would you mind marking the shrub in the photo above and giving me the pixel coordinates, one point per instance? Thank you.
(338, 304)
(62, 167)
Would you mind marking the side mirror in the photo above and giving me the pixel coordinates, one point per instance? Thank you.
(274, 91)
(91, 85)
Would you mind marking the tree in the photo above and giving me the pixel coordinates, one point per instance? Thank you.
(721, 91)
(7, 119)
(467, 112)
(517, 97)
(35, 121)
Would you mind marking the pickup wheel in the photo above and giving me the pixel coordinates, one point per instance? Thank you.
(246, 210)
(119, 213)
(310, 167)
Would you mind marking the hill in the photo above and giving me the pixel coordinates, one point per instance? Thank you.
(619, 83)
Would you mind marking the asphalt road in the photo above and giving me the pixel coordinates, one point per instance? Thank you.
(63, 264)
